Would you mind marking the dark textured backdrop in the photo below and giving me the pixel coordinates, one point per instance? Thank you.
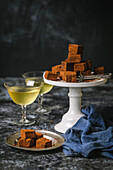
(34, 35)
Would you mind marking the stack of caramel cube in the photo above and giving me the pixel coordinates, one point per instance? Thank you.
(31, 139)
(73, 66)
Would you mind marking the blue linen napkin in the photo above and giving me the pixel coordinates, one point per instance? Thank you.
(90, 136)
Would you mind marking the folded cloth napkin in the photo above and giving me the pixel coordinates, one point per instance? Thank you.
(89, 136)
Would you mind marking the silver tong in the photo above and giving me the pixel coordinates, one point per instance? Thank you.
(94, 76)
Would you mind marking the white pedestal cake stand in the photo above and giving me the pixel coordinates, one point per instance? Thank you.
(74, 113)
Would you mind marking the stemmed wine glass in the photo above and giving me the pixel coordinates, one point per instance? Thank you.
(22, 95)
(36, 78)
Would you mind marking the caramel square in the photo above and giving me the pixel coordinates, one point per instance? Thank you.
(43, 143)
(80, 66)
(56, 69)
(26, 133)
(38, 135)
(76, 49)
(51, 76)
(99, 70)
(70, 78)
(74, 58)
(67, 66)
(22, 142)
(85, 73)
(63, 73)
(29, 142)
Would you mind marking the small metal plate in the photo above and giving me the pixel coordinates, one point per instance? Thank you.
(57, 140)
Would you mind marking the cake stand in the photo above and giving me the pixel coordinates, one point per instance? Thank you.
(74, 113)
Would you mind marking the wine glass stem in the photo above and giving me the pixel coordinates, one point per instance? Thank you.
(40, 101)
(23, 111)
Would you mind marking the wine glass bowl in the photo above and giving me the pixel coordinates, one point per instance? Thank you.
(36, 78)
(22, 95)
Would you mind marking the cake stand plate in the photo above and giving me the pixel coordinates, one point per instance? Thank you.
(74, 113)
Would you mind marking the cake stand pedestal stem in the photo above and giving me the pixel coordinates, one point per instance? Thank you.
(74, 113)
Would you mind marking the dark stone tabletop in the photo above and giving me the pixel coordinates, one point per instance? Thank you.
(57, 99)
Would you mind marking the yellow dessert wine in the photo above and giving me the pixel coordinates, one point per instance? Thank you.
(23, 95)
(36, 81)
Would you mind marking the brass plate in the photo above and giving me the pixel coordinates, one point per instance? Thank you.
(57, 140)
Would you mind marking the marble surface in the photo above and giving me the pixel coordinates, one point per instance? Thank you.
(57, 100)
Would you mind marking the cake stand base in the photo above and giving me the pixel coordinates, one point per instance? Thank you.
(74, 113)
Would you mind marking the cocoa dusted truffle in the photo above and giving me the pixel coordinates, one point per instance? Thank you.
(22, 142)
(56, 69)
(76, 49)
(43, 143)
(74, 58)
(85, 73)
(38, 135)
(51, 76)
(80, 66)
(66, 66)
(99, 70)
(29, 142)
(68, 76)
(26, 133)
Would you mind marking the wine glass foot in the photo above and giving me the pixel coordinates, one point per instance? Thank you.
(43, 110)
(24, 122)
